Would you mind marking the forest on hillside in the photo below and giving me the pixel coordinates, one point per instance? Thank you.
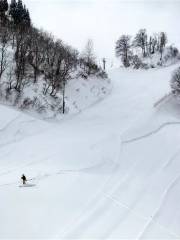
(146, 51)
(31, 58)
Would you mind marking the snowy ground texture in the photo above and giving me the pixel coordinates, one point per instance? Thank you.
(112, 171)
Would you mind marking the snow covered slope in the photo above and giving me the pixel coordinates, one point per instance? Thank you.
(80, 93)
(112, 171)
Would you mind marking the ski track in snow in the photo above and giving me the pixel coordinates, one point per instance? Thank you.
(166, 193)
(10, 122)
(148, 219)
(102, 194)
(64, 171)
(170, 160)
(100, 207)
(150, 133)
(98, 199)
(22, 138)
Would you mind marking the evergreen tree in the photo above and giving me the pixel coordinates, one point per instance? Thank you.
(12, 8)
(3, 7)
(19, 13)
(26, 17)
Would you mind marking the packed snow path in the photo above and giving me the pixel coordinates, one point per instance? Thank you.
(112, 171)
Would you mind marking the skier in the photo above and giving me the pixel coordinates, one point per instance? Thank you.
(24, 179)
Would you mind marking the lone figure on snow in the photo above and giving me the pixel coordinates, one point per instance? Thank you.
(24, 179)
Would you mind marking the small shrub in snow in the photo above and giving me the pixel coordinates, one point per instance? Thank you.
(82, 74)
(175, 82)
(171, 52)
(152, 65)
(174, 52)
(136, 62)
(159, 63)
(102, 74)
(17, 98)
(27, 103)
(146, 66)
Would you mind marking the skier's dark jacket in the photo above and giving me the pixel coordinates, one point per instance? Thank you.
(23, 178)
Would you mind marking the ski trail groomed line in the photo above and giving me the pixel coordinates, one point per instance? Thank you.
(9, 123)
(150, 133)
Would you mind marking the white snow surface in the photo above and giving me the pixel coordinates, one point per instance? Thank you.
(112, 171)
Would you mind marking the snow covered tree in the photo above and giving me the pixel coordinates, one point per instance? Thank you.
(150, 43)
(19, 14)
(154, 45)
(175, 82)
(12, 9)
(140, 41)
(36, 54)
(162, 42)
(21, 60)
(88, 52)
(123, 49)
(3, 6)
(136, 62)
(26, 17)
(174, 52)
(88, 58)
(4, 38)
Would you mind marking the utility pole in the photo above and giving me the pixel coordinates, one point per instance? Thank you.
(64, 104)
(104, 64)
(63, 66)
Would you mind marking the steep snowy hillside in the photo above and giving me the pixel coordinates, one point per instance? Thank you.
(112, 171)
(80, 93)
(41, 74)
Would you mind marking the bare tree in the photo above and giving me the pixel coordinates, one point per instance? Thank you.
(175, 82)
(140, 41)
(21, 58)
(162, 43)
(153, 44)
(36, 56)
(67, 67)
(4, 42)
(88, 56)
(123, 49)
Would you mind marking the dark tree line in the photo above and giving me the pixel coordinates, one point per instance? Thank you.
(37, 54)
